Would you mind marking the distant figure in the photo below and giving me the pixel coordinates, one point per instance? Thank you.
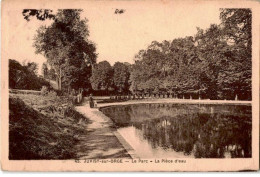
(95, 103)
(91, 101)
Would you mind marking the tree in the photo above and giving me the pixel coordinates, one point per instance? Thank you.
(237, 29)
(45, 71)
(51, 74)
(66, 46)
(21, 77)
(212, 48)
(121, 77)
(77, 77)
(31, 67)
(40, 14)
(216, 63)
(101, 78)
(168, 67)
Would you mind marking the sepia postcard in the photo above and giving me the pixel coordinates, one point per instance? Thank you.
(130, 85)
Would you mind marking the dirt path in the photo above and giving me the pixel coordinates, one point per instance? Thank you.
(100, 141)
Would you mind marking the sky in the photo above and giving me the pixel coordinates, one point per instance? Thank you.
(119, 37)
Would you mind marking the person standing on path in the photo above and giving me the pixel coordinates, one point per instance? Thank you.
(91, 101)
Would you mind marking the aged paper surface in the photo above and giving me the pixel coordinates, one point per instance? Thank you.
(87, 119)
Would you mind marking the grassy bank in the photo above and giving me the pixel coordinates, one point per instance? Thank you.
(43, 127)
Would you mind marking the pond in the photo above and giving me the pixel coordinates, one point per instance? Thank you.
(171, 130)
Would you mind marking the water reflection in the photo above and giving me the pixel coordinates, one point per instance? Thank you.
(177, 130)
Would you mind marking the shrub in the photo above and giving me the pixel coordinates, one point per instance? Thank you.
(52, 93)
(22, 78)
(44, 91)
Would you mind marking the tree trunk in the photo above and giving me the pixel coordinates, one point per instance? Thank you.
(60, 79)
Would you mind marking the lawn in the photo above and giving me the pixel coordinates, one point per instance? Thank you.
(43, 127)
